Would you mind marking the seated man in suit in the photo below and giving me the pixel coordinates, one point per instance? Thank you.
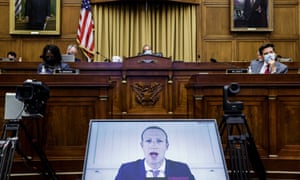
(11, 55)
(148, 51)
(266, 62)
(154, 142)
(72, 49)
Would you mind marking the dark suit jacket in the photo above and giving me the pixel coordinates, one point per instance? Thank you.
(254, 17)
(136, 170)
(37, 11)
(256, 65)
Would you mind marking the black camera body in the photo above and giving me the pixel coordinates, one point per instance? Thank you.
(232, 107)
(34, 94)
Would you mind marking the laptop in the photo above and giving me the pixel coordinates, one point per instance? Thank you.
(68, 58)
(13, 108)
(196, 142)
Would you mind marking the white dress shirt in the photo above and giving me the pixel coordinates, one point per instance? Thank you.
(161, 169)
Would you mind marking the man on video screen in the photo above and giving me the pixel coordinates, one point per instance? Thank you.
(154, 142)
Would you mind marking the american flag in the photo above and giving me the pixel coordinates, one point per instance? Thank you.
(85, 32)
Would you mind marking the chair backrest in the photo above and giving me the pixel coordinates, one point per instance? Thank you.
(160, 54)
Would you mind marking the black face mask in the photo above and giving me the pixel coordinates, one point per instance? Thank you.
(50, 61)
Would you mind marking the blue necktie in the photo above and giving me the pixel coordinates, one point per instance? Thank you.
(155, 172)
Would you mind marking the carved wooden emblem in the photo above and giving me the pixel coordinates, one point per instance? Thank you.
(147, 93)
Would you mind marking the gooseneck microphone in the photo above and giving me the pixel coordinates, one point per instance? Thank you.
(105, 58)
(213, 60)
(232, 67)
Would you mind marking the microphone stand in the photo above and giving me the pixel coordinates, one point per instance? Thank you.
(105, 58)
(235, 69)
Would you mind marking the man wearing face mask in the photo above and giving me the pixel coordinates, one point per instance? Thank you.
(147, 49)
(51, 60)
(268, 64)
(73, 50)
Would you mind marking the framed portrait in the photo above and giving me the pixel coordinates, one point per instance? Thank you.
(34, 17)
(251, 15)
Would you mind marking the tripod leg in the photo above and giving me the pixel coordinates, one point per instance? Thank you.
(254, 155)
(7, 150)
(255, 159)
(41, 154)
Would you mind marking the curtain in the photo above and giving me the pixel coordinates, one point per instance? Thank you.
(122, 28)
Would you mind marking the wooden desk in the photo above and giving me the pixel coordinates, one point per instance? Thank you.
(74, 100)
(113, 68)
(135, 90)
(271, 107)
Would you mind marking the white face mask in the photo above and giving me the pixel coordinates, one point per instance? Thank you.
(270, 56)
(148, 52)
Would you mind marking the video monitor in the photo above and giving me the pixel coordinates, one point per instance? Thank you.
(194, 142)
(13, 108)
(68, 58)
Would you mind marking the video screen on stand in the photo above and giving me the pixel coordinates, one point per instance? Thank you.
(113, 146)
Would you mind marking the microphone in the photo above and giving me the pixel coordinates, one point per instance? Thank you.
(236, 69)
(213, 60)
(105, 58)
(198, 58)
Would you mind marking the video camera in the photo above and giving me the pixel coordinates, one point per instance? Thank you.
(232, 107)
(34, 94)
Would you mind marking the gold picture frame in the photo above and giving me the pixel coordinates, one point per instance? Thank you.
(24, 19)
(251, 15)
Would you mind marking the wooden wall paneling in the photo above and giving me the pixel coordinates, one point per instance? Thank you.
(147, 96)
(271, 111)
(170, 94)
(255, 110)
(194, 104)
(7, 45)
(221, 50)
(288, 135)
(69, 109)
(247, 49)
(179, 95)
(124, 97)
(211, 106)
(32, 49)
(285, 20)
(62, 115)
(287, 48)
(117, 94)
(4, 21)
(216, 21)
(70, 18)
(199, 32)
(213, 20)
(272, 118)
(270, 105)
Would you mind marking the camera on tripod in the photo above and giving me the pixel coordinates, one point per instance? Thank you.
(34, 94)
(231, 107)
